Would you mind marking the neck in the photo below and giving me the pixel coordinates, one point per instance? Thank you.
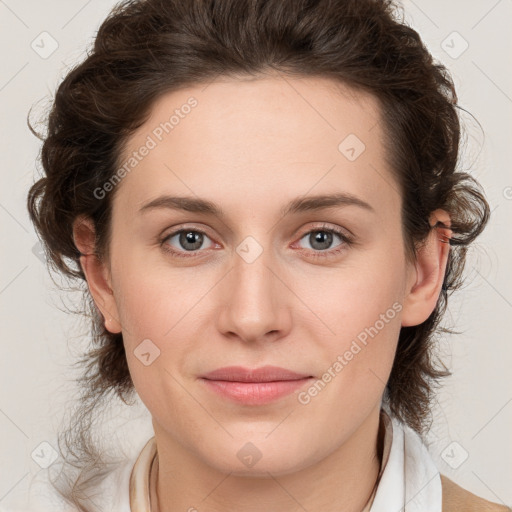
(346, 477)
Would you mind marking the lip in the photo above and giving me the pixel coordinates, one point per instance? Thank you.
(254, 386)
(263, 374)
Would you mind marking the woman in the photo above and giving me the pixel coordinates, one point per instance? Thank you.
(262, 197)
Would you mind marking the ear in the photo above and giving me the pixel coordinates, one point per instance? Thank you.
(427, 274)
(96, 272)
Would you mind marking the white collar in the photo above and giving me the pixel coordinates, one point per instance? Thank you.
(409, 482)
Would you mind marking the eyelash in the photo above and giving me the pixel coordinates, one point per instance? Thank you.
(347, 241)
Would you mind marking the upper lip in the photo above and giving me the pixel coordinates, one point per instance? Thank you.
(263, 374)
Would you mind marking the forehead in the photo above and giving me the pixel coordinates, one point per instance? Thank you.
(257, 136)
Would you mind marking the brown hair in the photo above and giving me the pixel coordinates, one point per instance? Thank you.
(149, 47)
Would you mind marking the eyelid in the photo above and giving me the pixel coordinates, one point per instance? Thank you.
(342, 231)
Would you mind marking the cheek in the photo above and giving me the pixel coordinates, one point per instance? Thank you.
(358, 357)
(158, 309)
(348, 299)
(154, 300)
(359, 310)
(153, 317)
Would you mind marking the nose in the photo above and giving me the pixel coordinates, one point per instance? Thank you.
(255, 301)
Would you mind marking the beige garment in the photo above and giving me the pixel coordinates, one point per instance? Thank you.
(456, 498)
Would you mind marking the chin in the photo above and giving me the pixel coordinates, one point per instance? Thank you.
(257, 456)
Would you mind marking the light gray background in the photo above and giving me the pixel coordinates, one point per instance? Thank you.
(39, 339)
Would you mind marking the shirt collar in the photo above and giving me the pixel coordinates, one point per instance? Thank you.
(410, 481)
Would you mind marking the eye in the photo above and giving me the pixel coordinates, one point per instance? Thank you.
(321, 240)
(185, 240)
(191, 241)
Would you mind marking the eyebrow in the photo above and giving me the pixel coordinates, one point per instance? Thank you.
(298, 205)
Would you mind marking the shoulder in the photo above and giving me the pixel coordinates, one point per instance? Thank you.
(456, 498)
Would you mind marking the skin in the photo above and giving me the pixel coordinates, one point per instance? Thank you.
(251, 146)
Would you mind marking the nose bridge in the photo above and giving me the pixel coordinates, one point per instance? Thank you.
(253, 302)
(252, 278)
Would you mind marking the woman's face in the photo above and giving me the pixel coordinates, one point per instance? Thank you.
(258, 282)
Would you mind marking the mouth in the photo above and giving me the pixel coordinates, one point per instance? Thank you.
(254, 386)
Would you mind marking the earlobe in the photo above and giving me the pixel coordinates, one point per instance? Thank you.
(96, 272)
(429, 270)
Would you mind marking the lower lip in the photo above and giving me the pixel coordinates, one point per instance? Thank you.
(255, 393)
